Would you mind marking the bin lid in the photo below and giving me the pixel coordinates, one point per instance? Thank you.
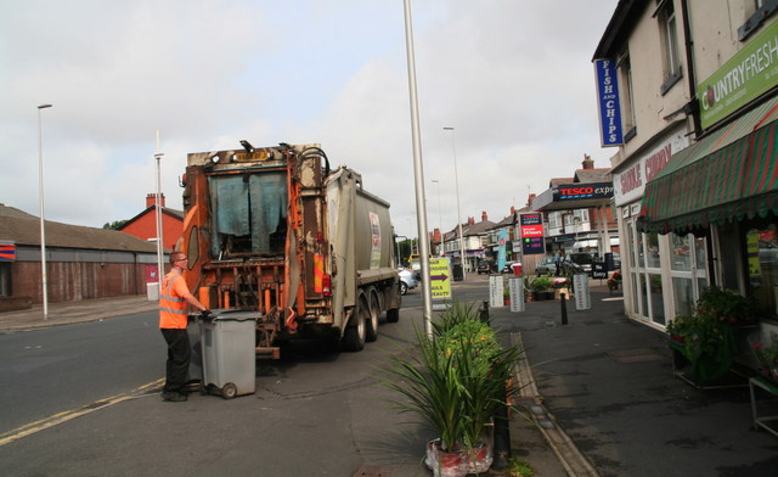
(235, 315)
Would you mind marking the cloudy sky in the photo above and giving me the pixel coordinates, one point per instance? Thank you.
(514, 78)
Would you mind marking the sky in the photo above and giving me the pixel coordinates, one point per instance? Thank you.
(514, 79)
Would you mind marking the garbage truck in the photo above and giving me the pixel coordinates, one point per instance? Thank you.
(276, 231)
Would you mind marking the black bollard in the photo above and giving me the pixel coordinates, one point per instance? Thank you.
(563, 303)
(484, 316)
(502, 438)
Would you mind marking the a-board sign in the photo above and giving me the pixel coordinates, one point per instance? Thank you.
(599, 270)
(583, 299)
(440, 279)
(496, 291)
(516, 287)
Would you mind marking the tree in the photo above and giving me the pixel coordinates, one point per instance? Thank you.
(115, 225)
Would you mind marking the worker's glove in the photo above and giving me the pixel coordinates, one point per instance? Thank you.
(206, 315)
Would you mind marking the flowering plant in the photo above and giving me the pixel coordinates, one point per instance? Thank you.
(767, 355)
(614, 281)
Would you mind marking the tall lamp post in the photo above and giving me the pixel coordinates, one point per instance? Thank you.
(440, 218)
(41, 207)
(418, 171)
(462, 251)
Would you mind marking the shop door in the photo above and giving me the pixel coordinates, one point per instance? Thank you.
(645, 275)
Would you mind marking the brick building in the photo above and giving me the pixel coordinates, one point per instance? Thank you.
(81, 262)
(144, 225)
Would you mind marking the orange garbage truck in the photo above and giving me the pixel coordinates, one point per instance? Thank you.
(276, 231)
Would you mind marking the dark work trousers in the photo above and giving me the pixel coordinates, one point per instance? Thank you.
(178, 355)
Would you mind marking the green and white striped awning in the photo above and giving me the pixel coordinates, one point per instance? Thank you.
(729, 175)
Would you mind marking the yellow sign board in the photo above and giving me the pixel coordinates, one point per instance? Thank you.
(440, 279)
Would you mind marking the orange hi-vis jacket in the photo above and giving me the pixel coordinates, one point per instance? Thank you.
(172, 305)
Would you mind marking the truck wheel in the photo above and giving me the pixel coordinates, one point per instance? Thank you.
(355, 334)
(374, 314)
(393, 315)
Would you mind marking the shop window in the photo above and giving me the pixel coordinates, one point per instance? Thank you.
(668, 31)
(5, 279)
(652, 250)
(657, 300)
(631, 242)
(627, 96)
(680, 253)
(683, 295)
(762, 266)
(635, 305)
(729, 239)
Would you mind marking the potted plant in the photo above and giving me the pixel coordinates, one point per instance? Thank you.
(767, 356)
(455, 385)
(707, 343)
(727, 306)
(541, 288)
(614, 282)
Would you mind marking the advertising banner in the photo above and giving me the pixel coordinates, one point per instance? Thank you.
(516, 287)
(578, 191)
(608, 102)
(502, 255)
(531, 233)
(750, 72)
(7, 251)
(496, 291)
(440, 279)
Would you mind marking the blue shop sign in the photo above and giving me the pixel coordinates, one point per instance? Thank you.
(608, 100)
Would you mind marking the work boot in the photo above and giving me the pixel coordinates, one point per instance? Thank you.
(173, 396)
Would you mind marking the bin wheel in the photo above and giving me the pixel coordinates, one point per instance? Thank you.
(229, 391)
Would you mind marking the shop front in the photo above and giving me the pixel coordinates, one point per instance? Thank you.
(661, 274)
(716, 205)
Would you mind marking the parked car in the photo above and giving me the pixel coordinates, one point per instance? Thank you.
(408, 280)
(546, 266)
(579, 262)
(484, 267)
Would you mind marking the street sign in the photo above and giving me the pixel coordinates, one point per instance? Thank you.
(496, 291)
(583, 300)
(440, 279)
(599, 271)
(516, 286)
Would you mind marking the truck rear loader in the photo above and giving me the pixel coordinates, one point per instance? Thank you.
(276, 231)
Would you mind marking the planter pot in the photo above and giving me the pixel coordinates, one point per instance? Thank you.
(479, 459)
(444, 463)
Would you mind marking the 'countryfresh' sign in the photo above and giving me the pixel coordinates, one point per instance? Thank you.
(749, 73)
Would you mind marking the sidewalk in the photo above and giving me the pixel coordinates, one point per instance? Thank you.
(67, 313)
(607, 383)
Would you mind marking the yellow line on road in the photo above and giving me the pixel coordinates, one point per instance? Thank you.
(64, 416)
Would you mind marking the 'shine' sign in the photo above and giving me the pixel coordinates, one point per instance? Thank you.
(608, 99)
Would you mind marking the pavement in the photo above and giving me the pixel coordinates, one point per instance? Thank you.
(598, 395)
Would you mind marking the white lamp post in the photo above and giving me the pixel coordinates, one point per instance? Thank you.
(418, 171)
(462, 251)
(41, 207)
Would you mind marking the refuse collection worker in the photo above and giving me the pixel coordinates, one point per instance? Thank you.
(173, 300)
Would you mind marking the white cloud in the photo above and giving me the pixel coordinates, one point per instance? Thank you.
(514, 78)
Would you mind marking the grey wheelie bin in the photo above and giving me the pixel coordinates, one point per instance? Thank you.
(229, 353)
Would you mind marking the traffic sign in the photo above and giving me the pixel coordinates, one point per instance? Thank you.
(440, 279)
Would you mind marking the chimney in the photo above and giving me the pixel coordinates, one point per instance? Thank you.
(470, 220)
(531, 198)
(436, 235)
(484, 217)
(587, 163)
(151, 200)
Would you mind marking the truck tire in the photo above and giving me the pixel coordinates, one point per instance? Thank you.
(356, 331)
(374, 315)
(393, 315)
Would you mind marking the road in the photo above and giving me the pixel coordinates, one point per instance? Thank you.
(313, 413)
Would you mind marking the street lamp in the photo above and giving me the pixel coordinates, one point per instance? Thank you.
(158, 216)
(418, 171)
(40, 206)
(462, 251)
(440, 218)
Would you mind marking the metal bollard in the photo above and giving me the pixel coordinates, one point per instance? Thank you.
(502, 438)
(484, 312)
(563, 303)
